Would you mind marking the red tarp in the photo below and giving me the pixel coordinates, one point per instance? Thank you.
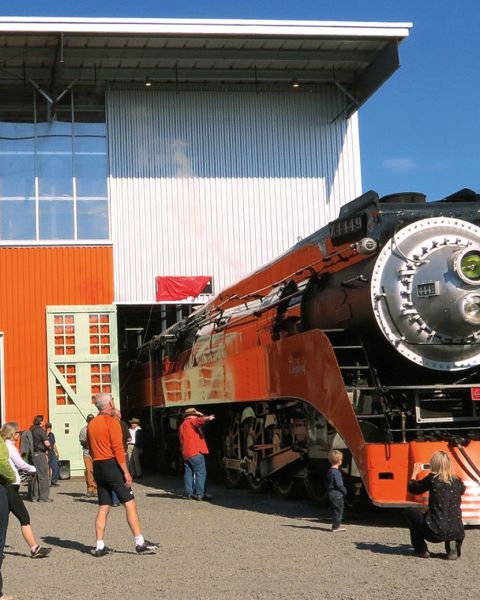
(179, 288)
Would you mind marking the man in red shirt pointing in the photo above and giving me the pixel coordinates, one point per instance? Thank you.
(194, 447)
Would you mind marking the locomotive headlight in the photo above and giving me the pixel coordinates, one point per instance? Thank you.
(471, 308)
(467, 266)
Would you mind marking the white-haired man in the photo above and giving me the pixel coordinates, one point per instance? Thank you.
(111, 473)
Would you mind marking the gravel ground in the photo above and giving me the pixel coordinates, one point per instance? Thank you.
(242, 546)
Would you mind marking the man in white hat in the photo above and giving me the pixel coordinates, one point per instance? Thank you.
(194, 447)
(135, 448)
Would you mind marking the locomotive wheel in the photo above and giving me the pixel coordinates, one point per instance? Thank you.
(235, 479)
(315, 487)
(232, 449)
(257, 486)
(253, 434)
(287, 487)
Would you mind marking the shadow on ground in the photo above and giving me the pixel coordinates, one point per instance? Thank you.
(77, 497)
(75, 545)
(397, 549)
(170, 487)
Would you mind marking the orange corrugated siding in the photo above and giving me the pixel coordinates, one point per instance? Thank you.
(31, 279)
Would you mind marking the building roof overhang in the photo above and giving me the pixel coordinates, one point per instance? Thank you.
(54, 54)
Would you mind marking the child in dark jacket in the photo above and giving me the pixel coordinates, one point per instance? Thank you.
(336, 489)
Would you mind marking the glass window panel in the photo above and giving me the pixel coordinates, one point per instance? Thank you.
(55, 127)
(63, 114)
(16, 144)
(89, 108)
(91, 174)
(14, 131)
(54, 144)
(17, 173)
(92, 219)
(99, 129)
(24, 114)
(17, 219)
(56, 219)
(54, 164)
(91, 144)
(17, 105)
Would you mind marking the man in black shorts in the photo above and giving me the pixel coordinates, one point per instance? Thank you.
(104, 436)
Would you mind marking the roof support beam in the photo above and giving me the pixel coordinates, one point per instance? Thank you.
(101, 75)
(80, 55)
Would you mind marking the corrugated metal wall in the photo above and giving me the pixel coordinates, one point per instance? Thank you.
(212, 183)
(31, 279)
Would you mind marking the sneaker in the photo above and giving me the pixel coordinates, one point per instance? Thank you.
(46, 500)
(338, 529)
(39, 552)
(207, 497)
(98, 553)
(147, 547)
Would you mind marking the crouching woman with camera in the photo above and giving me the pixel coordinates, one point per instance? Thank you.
(442, 522)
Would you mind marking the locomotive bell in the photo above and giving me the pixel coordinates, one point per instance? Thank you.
(426, 293)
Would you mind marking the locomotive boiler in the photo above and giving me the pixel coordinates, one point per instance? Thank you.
(364, 336)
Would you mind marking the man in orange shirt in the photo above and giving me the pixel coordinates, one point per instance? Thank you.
(104, 435)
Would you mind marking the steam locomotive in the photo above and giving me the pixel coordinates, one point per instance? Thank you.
(363, 336)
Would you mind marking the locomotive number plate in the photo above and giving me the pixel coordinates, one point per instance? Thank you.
(349, 228)
(429, 289)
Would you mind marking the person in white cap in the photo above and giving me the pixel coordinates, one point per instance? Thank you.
(135, 448)
(194, 448)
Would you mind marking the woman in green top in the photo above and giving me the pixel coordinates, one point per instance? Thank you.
(6, 476)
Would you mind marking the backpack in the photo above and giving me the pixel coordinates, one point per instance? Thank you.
(26, 445)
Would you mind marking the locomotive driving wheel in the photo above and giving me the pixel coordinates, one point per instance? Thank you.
(232, 449)
(287, 487)
(253, 435)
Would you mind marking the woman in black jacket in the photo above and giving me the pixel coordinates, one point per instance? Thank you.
(442, 522)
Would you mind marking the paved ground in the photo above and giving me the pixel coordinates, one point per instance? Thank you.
(241, 547)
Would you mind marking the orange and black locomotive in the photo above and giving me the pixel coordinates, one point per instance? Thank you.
(364, 336)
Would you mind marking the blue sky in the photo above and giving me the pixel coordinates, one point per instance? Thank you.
(421, 130)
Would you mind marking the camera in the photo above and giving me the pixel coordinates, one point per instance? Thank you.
(426, 466)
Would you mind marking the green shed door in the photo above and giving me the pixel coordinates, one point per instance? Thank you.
(82, 361)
